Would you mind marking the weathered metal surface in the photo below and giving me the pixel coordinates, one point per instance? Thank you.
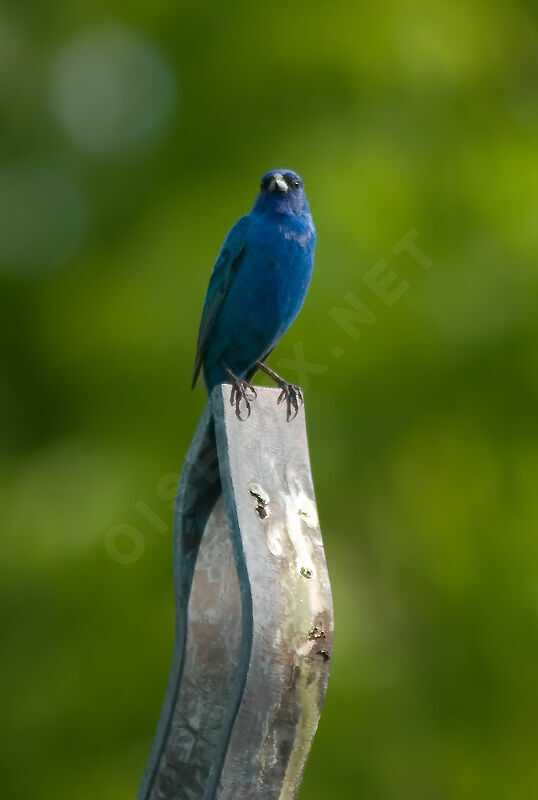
(253, 652)
(270, 501)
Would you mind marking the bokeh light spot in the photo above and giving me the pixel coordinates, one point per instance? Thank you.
(112, 92)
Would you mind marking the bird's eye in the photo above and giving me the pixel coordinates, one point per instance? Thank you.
(295, 183)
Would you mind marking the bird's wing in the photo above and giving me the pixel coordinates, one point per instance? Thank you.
(226, 265)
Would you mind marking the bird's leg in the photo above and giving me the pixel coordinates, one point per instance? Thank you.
(240, 390)
(289, 392)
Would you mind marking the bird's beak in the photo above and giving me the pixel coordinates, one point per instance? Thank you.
(278, 184)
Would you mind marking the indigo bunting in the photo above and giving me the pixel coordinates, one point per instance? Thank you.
(257, 287)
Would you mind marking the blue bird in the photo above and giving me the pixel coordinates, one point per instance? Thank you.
(257, 287)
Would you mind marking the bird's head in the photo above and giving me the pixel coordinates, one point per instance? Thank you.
(282, 191)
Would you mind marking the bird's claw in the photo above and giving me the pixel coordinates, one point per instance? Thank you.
(240, 391)
(293, 397)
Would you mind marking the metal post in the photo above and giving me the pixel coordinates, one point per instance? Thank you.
(254, 620)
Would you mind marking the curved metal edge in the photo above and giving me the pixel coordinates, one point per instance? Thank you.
(247, 622)
(198, 489)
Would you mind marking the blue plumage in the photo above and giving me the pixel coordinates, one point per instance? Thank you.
(257, 287)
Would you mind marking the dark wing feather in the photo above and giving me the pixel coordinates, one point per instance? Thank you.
(226, 265)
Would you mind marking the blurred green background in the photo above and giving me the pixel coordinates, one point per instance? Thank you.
(132, 135)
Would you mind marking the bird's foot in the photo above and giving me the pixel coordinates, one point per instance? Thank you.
(293, 396)
(241, 391)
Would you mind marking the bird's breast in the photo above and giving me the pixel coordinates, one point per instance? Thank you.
(278, 268)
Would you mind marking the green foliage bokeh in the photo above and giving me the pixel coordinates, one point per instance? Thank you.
(423, 434)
